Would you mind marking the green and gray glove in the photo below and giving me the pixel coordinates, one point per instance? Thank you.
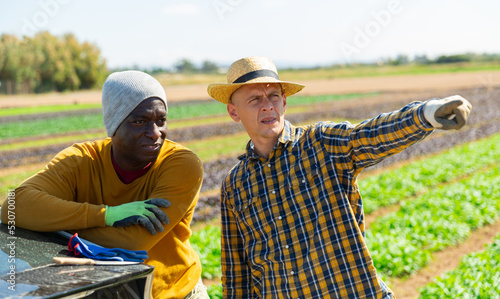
(145, 213)
(448, 113)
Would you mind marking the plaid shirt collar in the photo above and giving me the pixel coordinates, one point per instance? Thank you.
(286, 136)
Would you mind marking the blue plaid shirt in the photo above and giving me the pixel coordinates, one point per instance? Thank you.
(293, 224)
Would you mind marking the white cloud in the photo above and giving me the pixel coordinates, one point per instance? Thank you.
(185, 9)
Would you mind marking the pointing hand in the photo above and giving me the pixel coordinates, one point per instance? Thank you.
(448, 113)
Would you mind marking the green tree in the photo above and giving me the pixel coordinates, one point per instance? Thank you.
(52, 69)
(91, 69)
(453, 58)
(421, 59)
(185, 66)
(401, 59)
(9, 71)
(209, 67)
(29, 61)
(2, 53)
(49, 63)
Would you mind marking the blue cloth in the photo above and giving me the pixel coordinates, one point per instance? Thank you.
(79, 248)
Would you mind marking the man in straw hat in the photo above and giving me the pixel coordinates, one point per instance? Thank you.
(292, 214)
(117, 192)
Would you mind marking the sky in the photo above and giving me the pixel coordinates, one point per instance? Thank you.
(293, 33)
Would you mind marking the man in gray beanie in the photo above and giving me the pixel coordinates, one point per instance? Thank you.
(118, 191)
(123, 91)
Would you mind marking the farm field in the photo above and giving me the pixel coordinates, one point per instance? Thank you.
(317, 83)
(426, 208)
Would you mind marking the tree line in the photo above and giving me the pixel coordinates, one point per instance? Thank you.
(457, 58)
(182, 66)
(44, 63)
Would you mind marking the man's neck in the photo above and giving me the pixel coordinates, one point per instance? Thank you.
(263, 148)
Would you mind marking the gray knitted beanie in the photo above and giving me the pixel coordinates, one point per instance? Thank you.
(123, 91)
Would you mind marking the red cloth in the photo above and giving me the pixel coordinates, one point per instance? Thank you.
(128, 176)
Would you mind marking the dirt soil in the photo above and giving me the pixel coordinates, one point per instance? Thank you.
(400, 83)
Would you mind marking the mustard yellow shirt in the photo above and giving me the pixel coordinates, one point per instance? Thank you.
(73, 189)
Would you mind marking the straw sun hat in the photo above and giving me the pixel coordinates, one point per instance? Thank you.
(250, 70)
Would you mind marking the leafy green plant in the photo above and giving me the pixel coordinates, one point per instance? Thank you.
(477, 276)
(215, 291)
(393, 186)
(51, 126)
(402, 242)
(206, 242)
(46, 109)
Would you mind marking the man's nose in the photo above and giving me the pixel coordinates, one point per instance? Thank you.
(153, 131)
(266, 104)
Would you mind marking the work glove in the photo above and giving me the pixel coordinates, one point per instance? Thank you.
(78, 248)
(448, 113)
(145, 213)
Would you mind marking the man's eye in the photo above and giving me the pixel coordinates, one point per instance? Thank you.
(139, 122)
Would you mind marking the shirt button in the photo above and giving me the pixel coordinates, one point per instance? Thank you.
(286, 246)
(279, 217)
(303, 181)
(268, 165)
(273, 192)
(292, 272)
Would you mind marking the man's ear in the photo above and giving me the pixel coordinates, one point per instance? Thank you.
(233, 112)
(284, 102)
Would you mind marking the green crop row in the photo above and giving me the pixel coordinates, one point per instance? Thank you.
(50, 126)
(206, 242)
(215, 291)
(402, 242)
(391, 187)
(477, 276)
(66, 124)
(46, 109)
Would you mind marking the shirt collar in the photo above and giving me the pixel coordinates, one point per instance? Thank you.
(286, 136)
